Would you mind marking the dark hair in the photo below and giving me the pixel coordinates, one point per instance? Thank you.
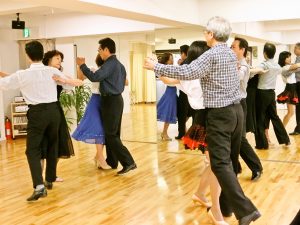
(184, 49)
(196, 49)
(99, 61)
(282, 57)
(298, 44)
(109, 44)
(34, 50)
(164, 58)
(269, 50)
(242, 44)
(50, 54)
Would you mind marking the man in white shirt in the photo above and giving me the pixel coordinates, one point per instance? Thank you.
(39, 91)
(240, 46)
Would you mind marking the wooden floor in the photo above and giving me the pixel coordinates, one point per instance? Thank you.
(158, 192)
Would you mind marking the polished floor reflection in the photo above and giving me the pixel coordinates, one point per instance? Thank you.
(158, 192)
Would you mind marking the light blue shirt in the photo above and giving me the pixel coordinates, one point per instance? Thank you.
(268, 80)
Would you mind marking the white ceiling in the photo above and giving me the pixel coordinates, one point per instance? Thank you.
(280, 20)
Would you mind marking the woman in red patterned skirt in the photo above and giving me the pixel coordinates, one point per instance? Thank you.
(289, 95)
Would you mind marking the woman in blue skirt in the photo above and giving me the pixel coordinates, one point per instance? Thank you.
(167, 105)
(90, 128)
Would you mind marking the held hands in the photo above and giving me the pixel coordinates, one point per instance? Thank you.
(258, 71)
(80, 61)
(170, 81)
(72, 82)
(262, 71)
(2, 74)
(150, 63)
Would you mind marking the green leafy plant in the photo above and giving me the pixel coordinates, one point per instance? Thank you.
(77, 98)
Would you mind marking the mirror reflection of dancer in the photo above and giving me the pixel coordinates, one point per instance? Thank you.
(167, 104)
(54, 58)
(39, 88)
(90, 128)
(289, 95)
(184, 110)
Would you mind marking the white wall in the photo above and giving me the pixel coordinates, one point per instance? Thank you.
(9, 60)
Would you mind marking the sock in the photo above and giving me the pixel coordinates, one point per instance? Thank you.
(39, 187)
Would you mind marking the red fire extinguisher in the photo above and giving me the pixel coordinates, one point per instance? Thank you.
(8, 131)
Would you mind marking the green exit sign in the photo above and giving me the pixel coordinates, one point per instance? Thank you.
(26, 33)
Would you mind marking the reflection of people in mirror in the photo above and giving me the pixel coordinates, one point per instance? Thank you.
(167, 105)
(184, 110)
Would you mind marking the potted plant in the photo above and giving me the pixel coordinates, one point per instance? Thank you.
(77, 99)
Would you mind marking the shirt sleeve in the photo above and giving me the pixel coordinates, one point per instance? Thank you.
(99, 75)
(263, 65)
(195, 70)
(184, 86)
(10, 82)
(59, 73)
(243, 72)
(286, 72)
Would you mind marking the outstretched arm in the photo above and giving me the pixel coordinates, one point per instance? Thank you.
(80, 74)
(2, 74)
(168, 80)
(67, 81)
(258, 70)
(195, 70)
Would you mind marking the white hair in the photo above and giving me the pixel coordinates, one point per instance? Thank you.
(220, 28)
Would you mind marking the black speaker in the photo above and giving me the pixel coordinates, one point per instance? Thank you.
(172, 41)
(17, 24)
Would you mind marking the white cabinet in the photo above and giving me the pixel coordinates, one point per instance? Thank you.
(19, 118)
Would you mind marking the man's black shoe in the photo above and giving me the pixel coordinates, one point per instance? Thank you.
(246, 220)
(256, 175)
(126, 169)
(179, 137)
(37, 194)
(48, 185)
(294, 133)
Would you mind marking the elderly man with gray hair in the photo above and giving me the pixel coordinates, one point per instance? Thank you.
(217, 70)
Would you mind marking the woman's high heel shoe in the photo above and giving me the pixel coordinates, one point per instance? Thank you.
(102, 165)
(216, 222)
(196, 199)
(165, 138)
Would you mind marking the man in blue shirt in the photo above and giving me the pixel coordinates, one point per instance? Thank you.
(112, 76)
